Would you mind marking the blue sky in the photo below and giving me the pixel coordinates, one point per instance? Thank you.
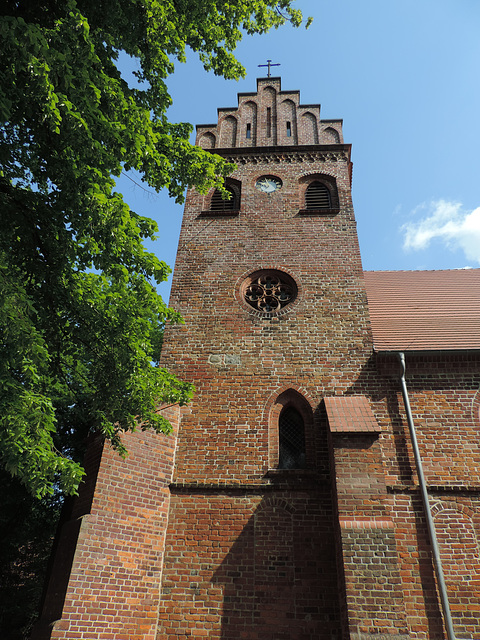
(404, 76)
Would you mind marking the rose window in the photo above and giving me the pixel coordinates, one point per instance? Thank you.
(269, 291)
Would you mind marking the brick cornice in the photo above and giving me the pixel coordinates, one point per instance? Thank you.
(288, 155)
(301, 482)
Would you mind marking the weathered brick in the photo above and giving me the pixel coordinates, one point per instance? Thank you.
(201, 534)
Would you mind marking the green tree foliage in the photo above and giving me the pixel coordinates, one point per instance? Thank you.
(81, 323)
(27, 526)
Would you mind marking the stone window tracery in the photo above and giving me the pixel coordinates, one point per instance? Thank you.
(269, 291)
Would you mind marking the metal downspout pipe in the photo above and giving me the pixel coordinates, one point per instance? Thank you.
(447, 616)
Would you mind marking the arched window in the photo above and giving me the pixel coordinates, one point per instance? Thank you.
(291, 439)
(219, 205)
(291, 442)
(215, 205)
(317, 196)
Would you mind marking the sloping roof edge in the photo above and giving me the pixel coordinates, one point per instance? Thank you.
(424, 310)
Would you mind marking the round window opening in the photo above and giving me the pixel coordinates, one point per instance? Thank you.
(269, 291)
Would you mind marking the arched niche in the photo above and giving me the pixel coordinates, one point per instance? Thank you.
(207, 141)
(269, 115)
(331, 136)
(248, 132)
(228, 132)
(288, 122)
(309, 129)
(274, 544)
(459, 551)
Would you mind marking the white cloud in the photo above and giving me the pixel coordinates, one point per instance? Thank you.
(447, 221)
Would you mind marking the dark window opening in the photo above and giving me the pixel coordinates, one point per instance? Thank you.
(289, 129)
(249, 131)
(269, 122)
(317, 196)
(291, 436)
(217, 203)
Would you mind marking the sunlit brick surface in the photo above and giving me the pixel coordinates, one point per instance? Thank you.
(201, 535)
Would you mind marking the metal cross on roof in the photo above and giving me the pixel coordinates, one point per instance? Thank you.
(269, 64)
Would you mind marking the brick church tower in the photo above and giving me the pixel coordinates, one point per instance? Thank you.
(269, 513)
(270, 286)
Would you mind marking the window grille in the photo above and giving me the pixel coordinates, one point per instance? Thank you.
(317, 196)
(217, 203)
(291, 436)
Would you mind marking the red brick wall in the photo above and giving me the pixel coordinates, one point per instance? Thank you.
(444, 396)
(267, 112)
(338, 549)
(241, 362)
(113, 590)
(250, 564)
(251, 550)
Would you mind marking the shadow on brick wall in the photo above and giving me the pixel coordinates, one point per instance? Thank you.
(279, 579)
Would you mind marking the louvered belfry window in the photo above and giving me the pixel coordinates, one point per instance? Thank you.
(317, 196)
(217, 203)
(291, 436)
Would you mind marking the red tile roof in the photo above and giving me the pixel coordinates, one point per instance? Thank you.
(350, 414)
(424, 310)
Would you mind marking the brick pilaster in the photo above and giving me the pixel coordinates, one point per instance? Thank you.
(367, 550)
